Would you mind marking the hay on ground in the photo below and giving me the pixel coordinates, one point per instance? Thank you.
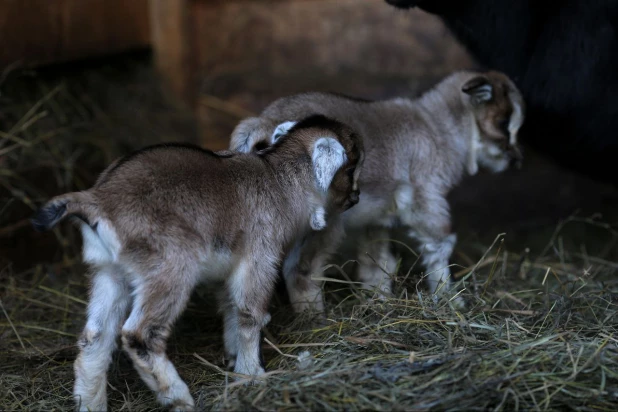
(539, 331)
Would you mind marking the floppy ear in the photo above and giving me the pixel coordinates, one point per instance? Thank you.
(247, 133)
(328, 157)
(479, 89)
(281, 130)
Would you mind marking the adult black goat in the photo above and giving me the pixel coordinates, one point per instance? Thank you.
(563, 56)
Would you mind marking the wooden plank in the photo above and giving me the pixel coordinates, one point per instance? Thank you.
(172, 42)
(36, 32)
(248, 53)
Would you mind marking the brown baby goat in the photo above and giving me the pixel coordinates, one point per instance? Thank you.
(165, 218)
(416, 152)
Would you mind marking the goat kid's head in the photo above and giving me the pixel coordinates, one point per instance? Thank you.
(498, 113)
(325, 139)
(337, 156)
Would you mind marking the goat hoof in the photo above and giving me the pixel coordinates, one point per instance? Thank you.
(181, 407)
(230, 363)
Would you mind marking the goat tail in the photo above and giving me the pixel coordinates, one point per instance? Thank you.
(78, 204)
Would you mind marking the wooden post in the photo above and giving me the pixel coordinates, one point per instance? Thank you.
(171, 40)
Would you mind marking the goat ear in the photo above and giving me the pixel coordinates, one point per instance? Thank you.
(281, 130)
(328, 157)
(479, 89)
(246, 134)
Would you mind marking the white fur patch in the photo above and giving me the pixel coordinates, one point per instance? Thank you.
(318, 219)
(106, 310)
(404, 197)
(517, 118)
(216, 265)
(475, 146)
(175, 391)
(238, 281)
(281, 130)
(328, 156)
(101, 245)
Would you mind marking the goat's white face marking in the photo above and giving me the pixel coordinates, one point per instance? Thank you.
(492, 158)
(475, 146)
(318, 219)
(515, 122)
(328, 156)
(281, 130)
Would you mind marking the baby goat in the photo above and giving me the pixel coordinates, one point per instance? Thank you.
(417, 151)
(162, 219)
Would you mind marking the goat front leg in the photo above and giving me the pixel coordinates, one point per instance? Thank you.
(429, 220)
(250, 289)
(376, 262)
(305, 261)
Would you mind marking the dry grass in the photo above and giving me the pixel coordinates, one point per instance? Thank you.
(539, 332)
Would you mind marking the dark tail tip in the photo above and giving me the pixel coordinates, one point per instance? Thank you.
(47, 216)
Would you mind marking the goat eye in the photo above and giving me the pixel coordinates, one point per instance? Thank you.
(260, 146)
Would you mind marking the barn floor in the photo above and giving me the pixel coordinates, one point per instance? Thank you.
(540, 330)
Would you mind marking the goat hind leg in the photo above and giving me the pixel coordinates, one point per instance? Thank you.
(156, 306)
(250, 288)
(230, 327)
(107, 308)
(435, 258)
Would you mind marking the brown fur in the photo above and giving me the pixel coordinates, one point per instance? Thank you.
(161, 220)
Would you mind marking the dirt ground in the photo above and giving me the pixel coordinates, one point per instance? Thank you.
(537, 255)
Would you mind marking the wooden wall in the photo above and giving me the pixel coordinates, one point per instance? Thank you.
(226, 59)
(230, 58)
(35, 32)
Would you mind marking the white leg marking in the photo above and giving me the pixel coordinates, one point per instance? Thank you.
(435, 258)
(106, 310)
(318, 219)
(144, 335)
(250, 297)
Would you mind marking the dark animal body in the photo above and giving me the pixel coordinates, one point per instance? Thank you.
(563, 56)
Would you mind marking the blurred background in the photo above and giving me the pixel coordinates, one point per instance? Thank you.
(85, 81)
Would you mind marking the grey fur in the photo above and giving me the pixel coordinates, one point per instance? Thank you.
(416, 152)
